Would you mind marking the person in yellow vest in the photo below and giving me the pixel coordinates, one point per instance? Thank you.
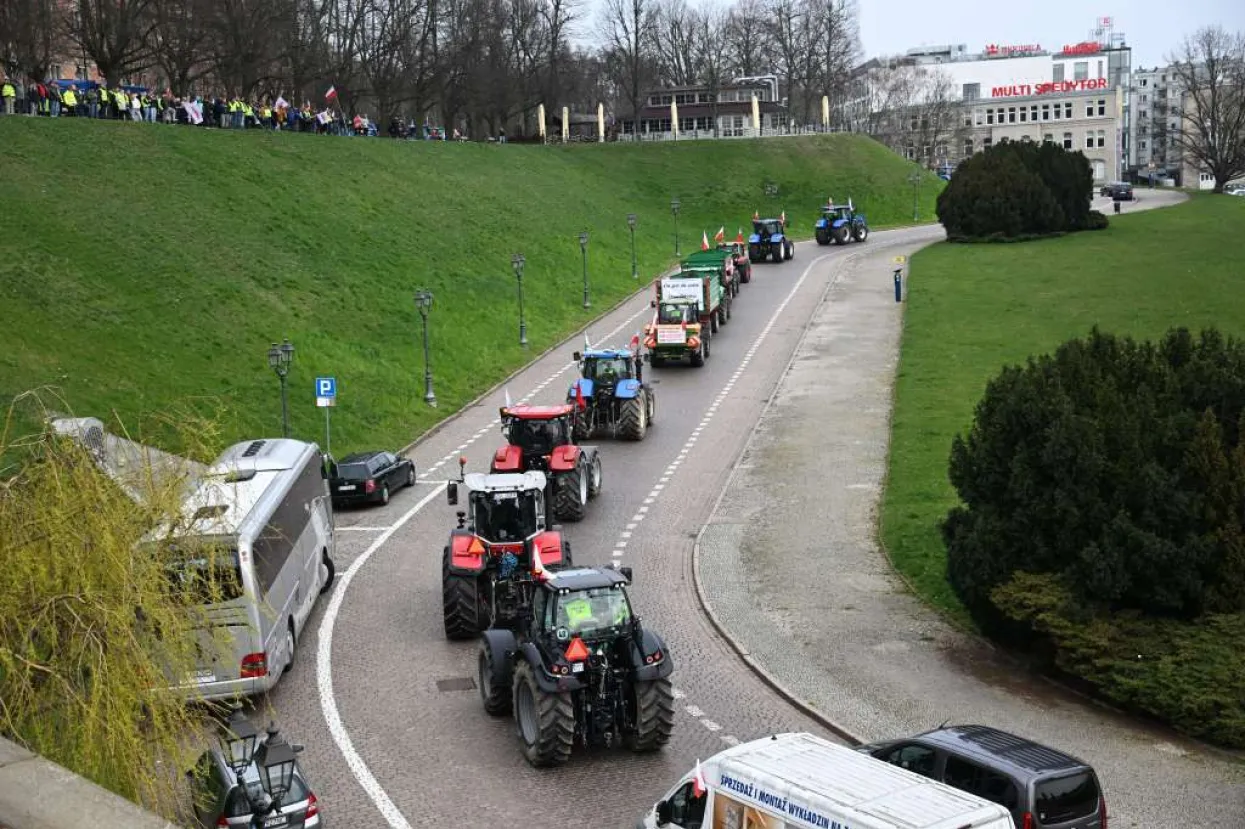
(70, 100)
(248, 114)
(9, 93)
(122, 102)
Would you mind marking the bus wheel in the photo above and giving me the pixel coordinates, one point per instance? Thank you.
(290, 646)
(328, 571)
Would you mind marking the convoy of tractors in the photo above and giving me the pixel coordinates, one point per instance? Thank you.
(560, 648)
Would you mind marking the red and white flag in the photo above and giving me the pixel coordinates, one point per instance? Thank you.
(698, 782)
(720, 236)
(704, 240)
(538, 566)
(635, 341)
(739, 238)
(783, 217)
(756, 215)
(579, 397)
(331, 94)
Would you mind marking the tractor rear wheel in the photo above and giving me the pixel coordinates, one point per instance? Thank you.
(572, 495)
(494, 690)
(650, 406)
(460, 603)
(790, 251)
(862, 233)
(728, 312)
(698, 356)
(746, 274)
(776, 252)
(713, 321)
(544, 721)
(840, 236)
(633, 419)
(822, 238)
(594, 477)
(653, 715)
(581, 427)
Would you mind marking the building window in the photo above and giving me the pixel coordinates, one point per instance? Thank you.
(980, 118)
(1144, 81)
(1089, 109)
(1102, 106)
(1048, 138)
(1142, 144)
(1100, 69)
(1055, 112)
(987, 143)
(972, 91)
(1142, 114)
(1033, 113)
(1058, 73)
(989, 116)
(1080, 70)
(1089, 139)
(1144, 98)
(1067, 140)
(1011, 115)
(968, 119)
(1024, 115)
(1102, 138)
(1067, 110)
(968, 147)
(1045, 112)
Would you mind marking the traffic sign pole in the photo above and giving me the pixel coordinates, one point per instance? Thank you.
(326, 398)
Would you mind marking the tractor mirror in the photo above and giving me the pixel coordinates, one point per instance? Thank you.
(663, 812)
(451, 492)
(577, 356)
(626, 573)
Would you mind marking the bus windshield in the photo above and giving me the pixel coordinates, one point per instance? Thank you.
(203, 572)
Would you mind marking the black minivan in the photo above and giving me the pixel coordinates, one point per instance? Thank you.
(1043, 788)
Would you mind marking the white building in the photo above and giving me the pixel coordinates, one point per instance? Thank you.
(1155, 121)
(1077, 96)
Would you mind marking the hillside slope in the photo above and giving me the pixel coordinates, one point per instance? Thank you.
(143, 268)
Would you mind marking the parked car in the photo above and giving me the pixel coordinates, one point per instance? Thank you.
(1119, 190)
(1041, 786)
(222, 800)
(369, 476)
(1234, 189)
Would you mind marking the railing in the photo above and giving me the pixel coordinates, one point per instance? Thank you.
(695, 135)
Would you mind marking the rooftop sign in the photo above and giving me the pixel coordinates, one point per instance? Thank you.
(1021, 90)
(1085, 47)
(994, 50)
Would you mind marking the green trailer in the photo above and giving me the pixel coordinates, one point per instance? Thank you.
(688, 309)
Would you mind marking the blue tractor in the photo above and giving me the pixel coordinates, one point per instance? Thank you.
(769, 240)
(610, 394)
(839, 223)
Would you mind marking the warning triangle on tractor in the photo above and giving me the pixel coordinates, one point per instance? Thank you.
(476, 546)
(576, 651)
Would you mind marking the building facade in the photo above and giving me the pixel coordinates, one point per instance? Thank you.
(703, 111)
(1077, 96)
(1156, 119)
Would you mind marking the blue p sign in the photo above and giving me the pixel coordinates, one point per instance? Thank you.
(326, 387)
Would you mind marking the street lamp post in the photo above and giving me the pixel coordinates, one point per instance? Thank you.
(583, 247)
(423, 301)
(279, 359)
(915, 181)
(674, 209)
(517, 261)
(635, 271)
(274, 760)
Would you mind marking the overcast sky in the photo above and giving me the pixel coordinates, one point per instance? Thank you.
(1153, 28)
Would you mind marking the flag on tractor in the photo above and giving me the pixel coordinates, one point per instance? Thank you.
(704, 240)
(720, 236)
(756, 215)
(579, 396)
(783, 217)
(739, 238)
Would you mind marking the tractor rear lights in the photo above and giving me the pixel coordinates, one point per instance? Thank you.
(654, 658)
(576, 651)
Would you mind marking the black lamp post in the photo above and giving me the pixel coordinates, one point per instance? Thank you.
(674, 210)
(279, 359)
(583, 247)
(237, 741)
(517, 261)
(274, 760)
(635, 271)
(915, 181)
(423, 301)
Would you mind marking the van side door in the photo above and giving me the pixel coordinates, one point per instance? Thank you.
(988, 783)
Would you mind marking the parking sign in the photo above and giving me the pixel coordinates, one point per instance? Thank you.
(326, 391)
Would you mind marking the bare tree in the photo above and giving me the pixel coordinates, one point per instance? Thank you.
(713, 55)
(29, 32)
(179, 41)
(115, 34)
(558, 17)
(838, 46)
(676, 42)
(1210, 69)
(749, 34)
(630, 34)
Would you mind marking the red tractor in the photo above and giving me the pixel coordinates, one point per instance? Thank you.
(541, 439)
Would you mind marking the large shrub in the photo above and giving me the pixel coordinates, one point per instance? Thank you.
(1113, 464)
(1018, 190)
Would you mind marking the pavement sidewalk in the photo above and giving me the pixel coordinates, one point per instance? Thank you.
(790, 568)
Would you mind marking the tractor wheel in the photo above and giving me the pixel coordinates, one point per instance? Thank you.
(822, 238)
(713, 321)
(594, 477)
(580, 427)
(698, 356)
(653, 715)
(745, 275)
(840, 236)
(650, 406)
(656, 360)
(708, 347)
(722, 313)
(790, 251)
(727, 310)
(776, 252)
(545, 722)
(633, 420)
(754, 253)
(494, 690)
(460, 603)
(572, 494)
(862, 233)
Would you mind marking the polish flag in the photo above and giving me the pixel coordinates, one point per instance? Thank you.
(720, 236)
(635, 340)
(783, 217)
(698, 782)
(538, 566)
(331, 94)
(704, 240)
(756, 216)
(739, 238)
(579, 397)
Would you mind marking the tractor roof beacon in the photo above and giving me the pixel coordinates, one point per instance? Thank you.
(487, 564)
(582, 671)
(610, 394)
(541, 438)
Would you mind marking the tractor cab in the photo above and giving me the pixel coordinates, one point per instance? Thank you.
(835, 212)
(676, 313)
(537, 431)
(606, 368)
(502, 509)
(766, 228)
(581, 613)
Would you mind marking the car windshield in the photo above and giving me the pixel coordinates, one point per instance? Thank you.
(202, 572)
(353, 472)
(592, 612)
(607, 369)
(670, 314)
(1066, 798)
(505, 516)
(537, 435)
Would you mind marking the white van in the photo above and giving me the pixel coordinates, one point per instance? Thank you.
(801, 780)
(261, 518)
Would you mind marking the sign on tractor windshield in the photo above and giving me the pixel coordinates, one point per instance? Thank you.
(681, 290)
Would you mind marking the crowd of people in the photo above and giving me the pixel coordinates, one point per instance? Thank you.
(88, 99)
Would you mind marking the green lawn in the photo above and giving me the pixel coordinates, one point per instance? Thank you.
(975, 308)
(145, 268)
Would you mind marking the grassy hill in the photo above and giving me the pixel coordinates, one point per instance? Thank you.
(146, 268)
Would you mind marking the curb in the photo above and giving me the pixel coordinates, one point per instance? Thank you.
(762, 673)
(452, 417)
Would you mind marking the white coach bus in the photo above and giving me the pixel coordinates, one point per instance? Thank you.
(261, 519)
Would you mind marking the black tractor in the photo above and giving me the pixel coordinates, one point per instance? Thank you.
(580, 671)
(610, 394)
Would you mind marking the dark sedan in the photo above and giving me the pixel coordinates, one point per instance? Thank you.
(369, 476)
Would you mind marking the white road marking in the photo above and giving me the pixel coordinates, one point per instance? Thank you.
(357, 529)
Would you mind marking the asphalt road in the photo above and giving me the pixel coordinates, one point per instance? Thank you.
(394, 728)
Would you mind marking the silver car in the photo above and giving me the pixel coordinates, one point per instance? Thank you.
(222, 800)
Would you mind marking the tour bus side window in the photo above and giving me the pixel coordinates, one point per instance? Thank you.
(275, 545)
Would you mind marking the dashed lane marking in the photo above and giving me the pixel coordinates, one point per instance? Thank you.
(694, 711)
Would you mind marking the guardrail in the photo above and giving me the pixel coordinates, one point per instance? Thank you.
(38, 794)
